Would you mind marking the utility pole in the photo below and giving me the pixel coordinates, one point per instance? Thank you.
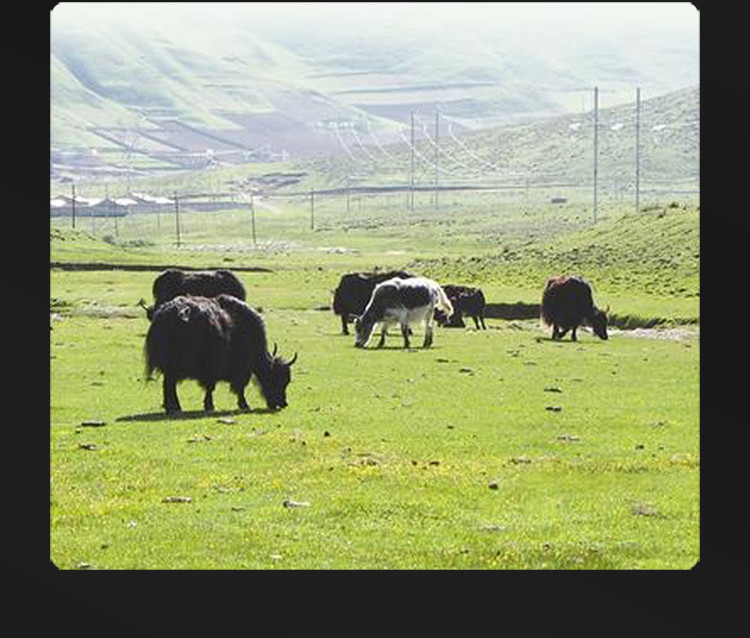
(437, 142)
(110, 212)
(312, 209)
(177, 218)
(252, 217)
(637, 149)
(411, 167)
(73, 204)
(348, 195)
(596, 145)
(117, 224)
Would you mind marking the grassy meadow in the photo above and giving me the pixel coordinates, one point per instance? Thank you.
(496, 449)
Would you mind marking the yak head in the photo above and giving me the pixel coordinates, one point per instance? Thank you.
(362, 332)
(280, 377)
(599, 323)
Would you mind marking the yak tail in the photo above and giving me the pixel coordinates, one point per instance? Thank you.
(443, 303)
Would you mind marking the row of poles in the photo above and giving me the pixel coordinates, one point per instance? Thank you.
(436, 178)
(176, 213)
(596, 155)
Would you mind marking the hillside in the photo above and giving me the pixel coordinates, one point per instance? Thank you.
(557, 149)
(654, 253)
(190, 89)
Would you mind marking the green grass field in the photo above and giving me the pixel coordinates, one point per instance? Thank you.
(497, 449)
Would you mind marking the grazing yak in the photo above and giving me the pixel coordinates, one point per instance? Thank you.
(211, 340)
(354, 291)
(401, 301)
(200, 283)
(567, 302)
(466, 301)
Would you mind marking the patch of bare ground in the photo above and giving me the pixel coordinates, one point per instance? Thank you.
(271, 246)
(674, 334)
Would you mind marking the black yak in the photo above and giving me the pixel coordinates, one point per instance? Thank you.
(401, 301)
(567, 303)
(200, 283)
(354, 291)
(466, 301)
(211, 340)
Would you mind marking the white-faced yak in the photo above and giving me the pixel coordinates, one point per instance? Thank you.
(354, 291)
(403, 302)
(199, 283)
(567, 303)
(212, 340)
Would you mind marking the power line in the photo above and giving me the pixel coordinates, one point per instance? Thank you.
(430, 163)
(437, 155)
(449, 157)
(362, 146)
(343, 144)
(377, 142)
(468, 150)
(411, 165)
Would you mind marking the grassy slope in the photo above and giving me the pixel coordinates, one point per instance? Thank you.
(554, 149)
(394, 469)
(646, 266)
(447, 458)
(653, 255)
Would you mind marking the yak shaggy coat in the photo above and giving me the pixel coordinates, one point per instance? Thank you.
(212, 340)
(199, 283)
(567, 303)
(466, 301)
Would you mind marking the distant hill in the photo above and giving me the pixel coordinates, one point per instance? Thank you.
(171, 86)
(552, 150)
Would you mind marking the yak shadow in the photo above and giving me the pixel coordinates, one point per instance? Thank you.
(387, 348)
(188, 415)
(580, 342)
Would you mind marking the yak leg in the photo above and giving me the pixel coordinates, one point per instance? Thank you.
(573, 334)
(208, 398)
(344, 325)
(239, 390)
(427, 332)
(171, 402)
(481, 318)
(382, 336)
(476, 321)
(405, 332)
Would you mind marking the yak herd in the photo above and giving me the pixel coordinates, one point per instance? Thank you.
(202, 329)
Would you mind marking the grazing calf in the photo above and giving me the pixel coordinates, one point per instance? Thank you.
(401, 301)
(199, 283)
(212, 340)
(466, 301)
(567, 303)
(354, 291)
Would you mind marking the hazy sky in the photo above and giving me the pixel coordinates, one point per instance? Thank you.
(570, 15)
(659, 39)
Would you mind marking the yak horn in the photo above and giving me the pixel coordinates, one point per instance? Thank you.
(293, 359)
(606, 312)
(275, 348)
